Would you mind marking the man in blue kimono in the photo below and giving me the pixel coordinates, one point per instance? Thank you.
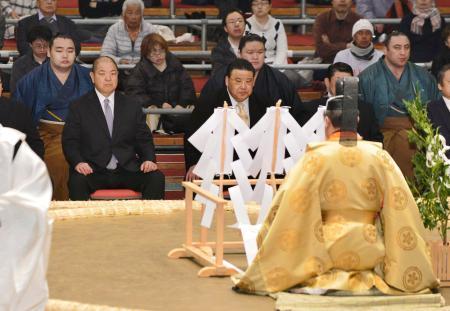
(48, 90)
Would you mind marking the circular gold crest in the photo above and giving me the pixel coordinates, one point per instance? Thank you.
(289, 240)
(350, 156)
(385, 159)
(370, 188)
(332, 232)
(335, 191)
(312, 162)
(314, 265)
(348, 261)
(277, 279)
(318, 231)
(370, 233)
(406, 238)
(299, 199)
(398, 198)
(412, 278)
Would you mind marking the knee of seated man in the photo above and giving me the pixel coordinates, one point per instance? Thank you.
(153, 177)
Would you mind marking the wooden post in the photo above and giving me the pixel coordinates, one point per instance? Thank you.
(275, 144)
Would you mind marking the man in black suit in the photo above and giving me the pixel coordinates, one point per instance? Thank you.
(46, 16)
(17, 116)
(367, 126)
(238, 92)
(439, 110)
(107, 142)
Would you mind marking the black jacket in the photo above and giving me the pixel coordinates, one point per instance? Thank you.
(426, 46)
(205, 108)
(103, 9)
(86, 137)
(367, 127)
(21, 66)
(18, 116)
(222, 55)
(441, 60)
(439, 116)
(65, 26)
(149, 86)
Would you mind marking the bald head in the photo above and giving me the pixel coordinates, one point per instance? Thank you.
(105, 75)
(101, 59)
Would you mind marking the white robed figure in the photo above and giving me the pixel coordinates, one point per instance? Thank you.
(25, 230)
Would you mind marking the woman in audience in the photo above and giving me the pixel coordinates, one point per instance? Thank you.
(226, 50)
(443, 57)
(272, 30)
(124, 38)
(160, 81)
(424, 29)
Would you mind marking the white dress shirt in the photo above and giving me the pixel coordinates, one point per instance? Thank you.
(102, 101)
(245, 102)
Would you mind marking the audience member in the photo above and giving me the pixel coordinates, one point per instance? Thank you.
(104, 132)
(439, 110)
(361, 52)
(46, 16)
(368, 127)
(238, 92)
(2, 29)
(100, 8)
(385, 85)
(344, 222)
(227, 49)
(272, 30)
(48, 90)
(443, 58)
(333, 29)
(18, 116)
(38, 38)
(159, 80)
(17, 9)
(424, 29)
(270, 84)
(123, 40)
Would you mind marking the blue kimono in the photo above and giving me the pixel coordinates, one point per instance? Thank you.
(48, 99)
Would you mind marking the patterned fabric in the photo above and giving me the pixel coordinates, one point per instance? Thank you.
(344, 219)
(21, 8)
(419, 20)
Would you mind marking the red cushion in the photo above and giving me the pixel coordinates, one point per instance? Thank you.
(115, 194)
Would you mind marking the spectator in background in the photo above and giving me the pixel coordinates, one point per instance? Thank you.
(439, 110)
(18, 116)
(159, 80)
(123, 40)
(361, 52)
(443, 58)
(226, 6)
(38, 38)
(17, 9)
(48, 90)
(385, 85)
(2, 29)
(272, 30)
(424, 29)
(333, 30)
(100, 8)
(46, 16)
(227, 49)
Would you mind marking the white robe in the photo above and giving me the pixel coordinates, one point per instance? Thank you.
(25, 230)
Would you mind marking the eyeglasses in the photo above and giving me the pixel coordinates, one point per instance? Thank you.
(262, 3)
(236, 21)
(154, 53)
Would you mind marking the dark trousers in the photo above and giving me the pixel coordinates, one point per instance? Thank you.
(151, 184)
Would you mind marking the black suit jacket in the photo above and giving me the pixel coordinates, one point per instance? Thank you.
(205, 108)
(439, 116)
(17, 116)
(86, 137)
(65, 26)
(367, 127)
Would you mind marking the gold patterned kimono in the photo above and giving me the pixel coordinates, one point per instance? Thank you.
(344, 219)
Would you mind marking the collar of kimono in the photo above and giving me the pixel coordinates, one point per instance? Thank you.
(340, 134)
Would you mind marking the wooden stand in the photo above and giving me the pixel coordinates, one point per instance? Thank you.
(440, 255)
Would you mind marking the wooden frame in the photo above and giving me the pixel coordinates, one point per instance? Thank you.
(202, 250)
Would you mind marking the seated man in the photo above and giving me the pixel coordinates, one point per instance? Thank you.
(102, 136)
(367, 126)
(38, 38)
(239, 81)
(270, 83)
(344, 219)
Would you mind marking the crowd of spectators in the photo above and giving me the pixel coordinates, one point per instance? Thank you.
(47, 79)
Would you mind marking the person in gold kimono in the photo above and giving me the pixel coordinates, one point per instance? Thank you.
(344, 219)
